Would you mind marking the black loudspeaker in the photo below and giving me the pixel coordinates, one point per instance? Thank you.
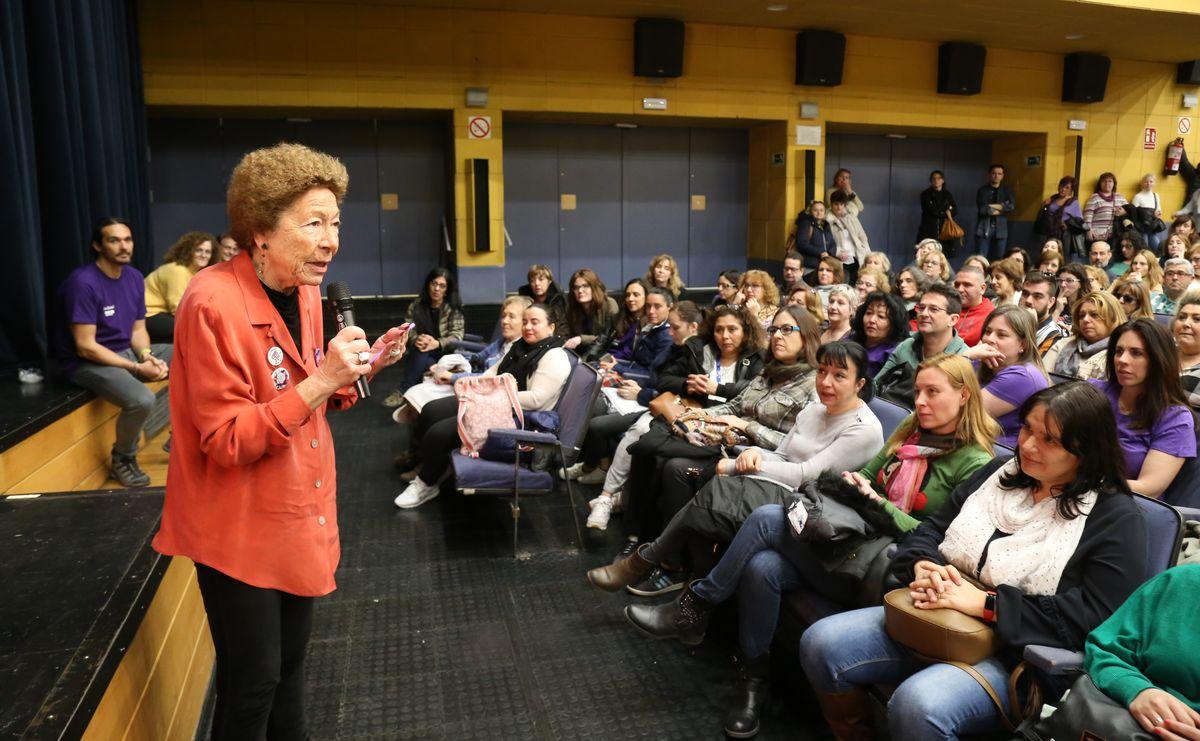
(657, 47)
(1188, 73)
(819, 58)
(1085, 76)
(481, 212)
(960, 68)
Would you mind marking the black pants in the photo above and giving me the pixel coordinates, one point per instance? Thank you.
(161, 328)
(260, 636)
(604, 433)
(659, 486)
(438, 430)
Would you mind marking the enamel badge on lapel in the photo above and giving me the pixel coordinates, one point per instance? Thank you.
(275, 356)
(280, 376)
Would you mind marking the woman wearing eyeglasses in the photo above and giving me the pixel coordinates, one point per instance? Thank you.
(666, 470)
(1081, 355)
(591, 313)
(1073, 282)
(759, 294)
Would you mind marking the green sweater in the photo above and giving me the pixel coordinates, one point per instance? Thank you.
(945, 474)
(1151, 641)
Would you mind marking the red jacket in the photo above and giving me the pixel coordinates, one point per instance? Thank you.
(970, 322)
(251, 484)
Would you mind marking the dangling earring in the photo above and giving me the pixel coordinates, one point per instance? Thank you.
(258, 264)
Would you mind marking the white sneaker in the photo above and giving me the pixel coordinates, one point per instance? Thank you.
(572, 473)
(593, 477)
(598, 519)
(592, 502)
(417, 493)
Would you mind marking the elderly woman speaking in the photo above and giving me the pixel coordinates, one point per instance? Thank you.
(251, 484)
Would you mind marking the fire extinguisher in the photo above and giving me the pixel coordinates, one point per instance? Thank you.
(1174, 155)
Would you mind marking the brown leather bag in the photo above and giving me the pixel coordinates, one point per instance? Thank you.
(950, 230)
(950, 637)
(669, 405)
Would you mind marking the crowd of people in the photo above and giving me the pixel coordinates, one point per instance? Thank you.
(1043, 391)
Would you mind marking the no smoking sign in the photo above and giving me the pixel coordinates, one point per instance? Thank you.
(1184, 124)
(479, 127)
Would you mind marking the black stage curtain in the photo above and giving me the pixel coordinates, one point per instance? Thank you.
(73, 68)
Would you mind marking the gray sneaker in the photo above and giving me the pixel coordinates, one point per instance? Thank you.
(125, 469)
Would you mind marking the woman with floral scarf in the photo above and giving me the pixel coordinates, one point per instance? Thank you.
(936, 448)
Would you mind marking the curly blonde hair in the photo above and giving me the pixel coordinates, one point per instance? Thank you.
(675, 284)
(267, 181)
(184, 249)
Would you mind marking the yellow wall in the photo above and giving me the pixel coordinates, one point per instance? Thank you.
(235, 53)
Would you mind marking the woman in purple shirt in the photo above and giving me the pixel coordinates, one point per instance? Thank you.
(1009, 367)
(880, 324)
(1156, 428)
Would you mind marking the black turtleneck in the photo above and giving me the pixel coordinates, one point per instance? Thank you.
(288, 306)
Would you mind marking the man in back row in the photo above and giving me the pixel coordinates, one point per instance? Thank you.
(104, 346)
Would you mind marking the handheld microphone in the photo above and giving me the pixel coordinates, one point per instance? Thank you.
(338, 294)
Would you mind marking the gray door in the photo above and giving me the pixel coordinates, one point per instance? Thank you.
(381, 252)
(632, 191)
(717, 234)
(889, 175)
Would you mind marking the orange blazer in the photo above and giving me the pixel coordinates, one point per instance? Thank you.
(251, 484)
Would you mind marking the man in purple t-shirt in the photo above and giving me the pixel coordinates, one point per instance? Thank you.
(105, 347)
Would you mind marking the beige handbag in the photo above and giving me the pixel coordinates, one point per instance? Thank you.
(669, 405)
(950, 230)
(950, 637)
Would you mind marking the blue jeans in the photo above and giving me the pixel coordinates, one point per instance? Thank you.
(762, 563)
(991, 247)
(415, 364)
(932, 701)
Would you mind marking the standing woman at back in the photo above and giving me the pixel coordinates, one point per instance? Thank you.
(937, 204)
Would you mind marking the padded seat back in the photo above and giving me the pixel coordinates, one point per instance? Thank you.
(889, 413)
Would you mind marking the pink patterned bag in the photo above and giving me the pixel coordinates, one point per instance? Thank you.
(486, 403)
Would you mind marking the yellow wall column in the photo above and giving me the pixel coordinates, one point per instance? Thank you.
(480, 273)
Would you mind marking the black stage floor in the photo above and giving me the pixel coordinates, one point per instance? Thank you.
(436, 632)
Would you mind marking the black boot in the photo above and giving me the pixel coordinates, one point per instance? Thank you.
(686, 618)
(749, 696)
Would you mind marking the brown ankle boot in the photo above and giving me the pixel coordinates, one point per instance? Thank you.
(622, 573)
(848, 715)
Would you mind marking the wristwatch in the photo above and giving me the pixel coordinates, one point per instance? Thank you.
(989, 607)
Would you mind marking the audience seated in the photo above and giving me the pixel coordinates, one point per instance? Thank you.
(708, 368)
(1021, 255)
(879, 261)
(1051, 258)
(1098, 278)
(911, 282)
(829, 273)
(104, 346)
(1134, 298)
(1144, 267)
(840, 305)
(1178, 275)
(227, 248)
(1186, 330)
(870, 280)
(648, 346)
(880, 324)
(1141, 655)
(793, 272)
(1009, 367)
(969, 282)
(541, 288)
(805, 295)
(437, 315)
(1039, 295)
(667, 471)
(1155, 425)
(937, 315)
(590, 315)
(1004, 278)
(727, 286)
(540, 366)
(439, 381)
(633, 312)
(759, 294)
(923, 249)
(664, 273)
(934, 450)
(165, 285)
(1128, 246)
(1081, 355)
(836, 431)
(1056, 543)
(1176, 245)
(936, 267)
(1073, 282)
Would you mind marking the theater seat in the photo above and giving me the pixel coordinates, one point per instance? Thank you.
(1184, 490)
(1164, 531)
(889, 413)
